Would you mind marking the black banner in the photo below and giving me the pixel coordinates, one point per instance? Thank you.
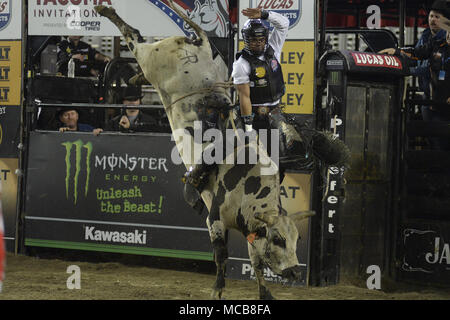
(8, 199)
(9, 131)
(112, 193)
(425, 252)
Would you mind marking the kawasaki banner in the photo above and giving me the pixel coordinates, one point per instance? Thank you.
(111, 193)
(123, 193)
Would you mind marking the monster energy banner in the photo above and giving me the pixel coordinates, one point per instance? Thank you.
(122, 193)
(110, 193)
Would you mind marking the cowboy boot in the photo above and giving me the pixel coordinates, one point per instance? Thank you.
(197, 176)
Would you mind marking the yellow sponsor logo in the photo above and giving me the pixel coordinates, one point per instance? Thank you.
(260, 72)
(11, 73)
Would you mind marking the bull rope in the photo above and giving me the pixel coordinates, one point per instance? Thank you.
(223, 85)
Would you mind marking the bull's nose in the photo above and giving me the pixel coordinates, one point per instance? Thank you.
(292, 273)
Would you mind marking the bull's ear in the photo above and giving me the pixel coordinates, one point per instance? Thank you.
(299, 216)
(266, 217)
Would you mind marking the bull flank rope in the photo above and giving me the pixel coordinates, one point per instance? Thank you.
(223, 85)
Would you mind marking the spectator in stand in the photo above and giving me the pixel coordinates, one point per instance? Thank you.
(84, 56)
(130, 119)
(437, 52)
(433, 33)
(69, 120)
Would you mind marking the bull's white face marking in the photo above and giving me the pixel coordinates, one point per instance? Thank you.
(278, 249)
(282, 244)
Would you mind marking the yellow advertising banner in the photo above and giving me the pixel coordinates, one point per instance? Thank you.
(8, 197)
(295, 192)
(10, 73)
(297, 61)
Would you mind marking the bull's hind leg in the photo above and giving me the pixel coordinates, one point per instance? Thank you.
(218, 237)
(132, 36)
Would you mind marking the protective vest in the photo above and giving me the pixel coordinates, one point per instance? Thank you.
(266, 77)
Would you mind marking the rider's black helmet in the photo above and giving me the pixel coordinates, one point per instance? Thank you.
(254, 28)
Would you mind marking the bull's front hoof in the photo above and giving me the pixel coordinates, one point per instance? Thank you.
(104, 11)
(216, 294)
(264, 294)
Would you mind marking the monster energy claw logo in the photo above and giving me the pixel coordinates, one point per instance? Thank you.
(78, 157)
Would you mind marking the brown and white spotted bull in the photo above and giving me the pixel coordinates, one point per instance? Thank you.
(237, 196)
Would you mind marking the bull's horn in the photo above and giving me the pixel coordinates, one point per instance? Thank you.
(266, 217)
(139, 80)
(299, 216)
(444, 23)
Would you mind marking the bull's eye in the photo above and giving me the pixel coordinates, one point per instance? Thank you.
(278, 241)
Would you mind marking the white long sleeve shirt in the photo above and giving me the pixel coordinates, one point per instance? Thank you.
(241, 67)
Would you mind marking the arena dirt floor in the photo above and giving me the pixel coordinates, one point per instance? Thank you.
(43, 277)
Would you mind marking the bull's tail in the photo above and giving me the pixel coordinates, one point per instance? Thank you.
(298, 217)
(132, 36)
(301, 215)
(199, 31)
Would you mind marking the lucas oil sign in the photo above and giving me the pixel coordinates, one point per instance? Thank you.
(376, 60)
(289, 8)
(5, 13)
(301, 14)
(10, 19)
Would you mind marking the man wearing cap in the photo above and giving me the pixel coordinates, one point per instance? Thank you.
(422, 71)
(69, 119)
(132, 120)
(432, 38)
(83, 55)
(437, 52)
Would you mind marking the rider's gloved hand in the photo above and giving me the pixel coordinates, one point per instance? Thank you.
(248, 122)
